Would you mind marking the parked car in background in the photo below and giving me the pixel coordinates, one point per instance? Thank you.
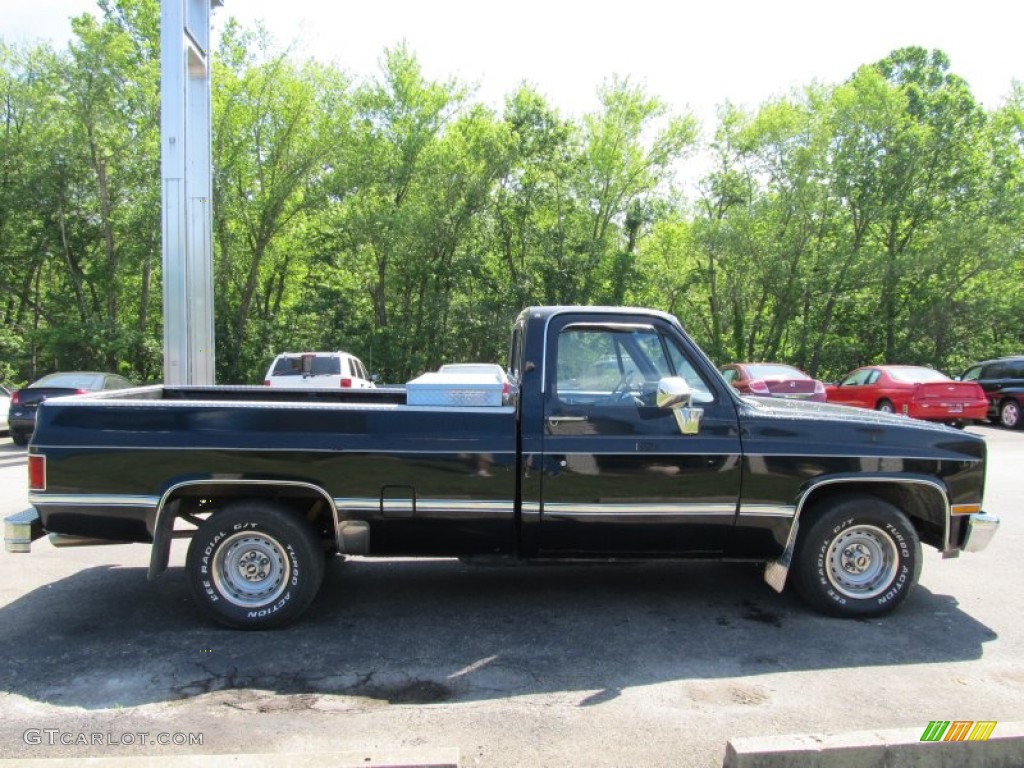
(320, 370)
(5, 405)
(773, 380)
(21, 416)
(911, 390)
(1003, 383)
(492, 369)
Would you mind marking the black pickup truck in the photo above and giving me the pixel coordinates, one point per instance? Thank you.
(620, 440)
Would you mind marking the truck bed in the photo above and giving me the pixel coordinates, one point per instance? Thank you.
(429, 480)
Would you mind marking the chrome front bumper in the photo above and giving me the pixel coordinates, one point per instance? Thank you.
(980, 530)
(21, 529)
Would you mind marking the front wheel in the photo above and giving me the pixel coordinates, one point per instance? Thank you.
(254, 565)
(859, 558)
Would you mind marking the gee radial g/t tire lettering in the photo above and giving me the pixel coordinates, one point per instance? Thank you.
(859, 557)
(254, 565)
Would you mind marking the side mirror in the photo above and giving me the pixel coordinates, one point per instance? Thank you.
(673, 392)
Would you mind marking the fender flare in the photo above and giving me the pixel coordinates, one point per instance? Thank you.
(777, 571)
(167, 513)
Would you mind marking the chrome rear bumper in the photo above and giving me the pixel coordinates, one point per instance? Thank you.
(21, 529)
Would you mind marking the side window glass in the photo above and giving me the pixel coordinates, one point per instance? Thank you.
(873, 377)
(683, 368)
(973, 374)
(613, 366)
(857, 378)
(729, 374)
(590, 366)
(1017, 369)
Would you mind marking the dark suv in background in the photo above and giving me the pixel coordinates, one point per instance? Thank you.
(1003, 382)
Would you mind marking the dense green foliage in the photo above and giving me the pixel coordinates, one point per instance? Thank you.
(877, 220)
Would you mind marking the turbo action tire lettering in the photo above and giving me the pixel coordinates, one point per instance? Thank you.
(858, 557)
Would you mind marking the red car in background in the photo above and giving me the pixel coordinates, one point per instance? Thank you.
(911, 390)
(773, 380)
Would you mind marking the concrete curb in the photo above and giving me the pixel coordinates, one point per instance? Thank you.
(901, 748)
(385, 758)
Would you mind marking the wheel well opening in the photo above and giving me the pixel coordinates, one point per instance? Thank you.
(197, 502)
(923, 504)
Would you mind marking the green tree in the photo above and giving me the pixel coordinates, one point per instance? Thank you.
(272, 134)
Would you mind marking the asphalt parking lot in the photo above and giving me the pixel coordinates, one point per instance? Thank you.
(596, 665)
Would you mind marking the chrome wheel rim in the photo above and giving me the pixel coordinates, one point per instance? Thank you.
(861, 562)
(1011, 414)
(251, 569)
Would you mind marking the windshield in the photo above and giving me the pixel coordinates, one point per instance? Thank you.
(599, 361)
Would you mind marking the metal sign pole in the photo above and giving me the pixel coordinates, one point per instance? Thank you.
(185, 137)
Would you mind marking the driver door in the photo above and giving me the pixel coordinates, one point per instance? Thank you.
(619, 476)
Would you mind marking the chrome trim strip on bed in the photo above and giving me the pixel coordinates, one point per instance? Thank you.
(235, 448)
(82, 400)
(91, 500)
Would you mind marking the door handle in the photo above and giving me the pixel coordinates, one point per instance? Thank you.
(556, 420)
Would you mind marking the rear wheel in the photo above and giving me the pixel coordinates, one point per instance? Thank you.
(254, 565)
(18, 437)
(859, 558)
(885, 406)
(1009, 414)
